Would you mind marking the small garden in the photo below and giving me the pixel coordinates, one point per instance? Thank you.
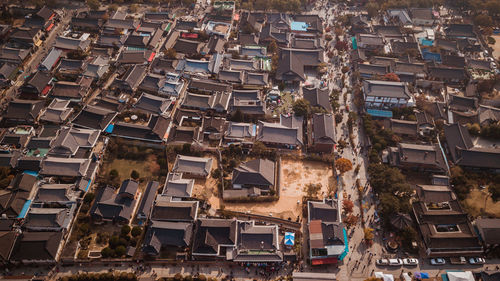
(118, 243)
(302, 107)
(478, 191)
(491, 131)
(90, 237)
(123, 159)
(185, 149)
(81, 228)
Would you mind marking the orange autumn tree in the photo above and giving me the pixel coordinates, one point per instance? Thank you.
(351, 220)
(347, 205)
(391, 77)
(343, 165)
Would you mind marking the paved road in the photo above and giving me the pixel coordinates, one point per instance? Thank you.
(358, 265)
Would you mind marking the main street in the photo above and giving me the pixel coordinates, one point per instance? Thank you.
(357, 262)
(360, 261)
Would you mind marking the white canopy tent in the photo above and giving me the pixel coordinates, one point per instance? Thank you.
(406, 277)
(385, 277)
(460, 276)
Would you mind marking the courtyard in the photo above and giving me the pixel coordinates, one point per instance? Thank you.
(479, 200)
(294, 176)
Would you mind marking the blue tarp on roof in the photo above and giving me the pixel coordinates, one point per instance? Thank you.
(298, 26)
(110, 128)
(422, 275)
(253, 130)
(289, 238)
(24, 210)
(428, 56)
(379, 113)
(426, 42)
(346, 243)
(88, 185)
(33, 173)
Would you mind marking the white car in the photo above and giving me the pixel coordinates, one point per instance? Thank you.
(382, 262)
(438, 261)
(395, 262)
(410, 261)
(477, 261)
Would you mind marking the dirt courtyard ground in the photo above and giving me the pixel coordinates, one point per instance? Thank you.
(124, 167)
(206, 189)
(475, 201)
(295, 175)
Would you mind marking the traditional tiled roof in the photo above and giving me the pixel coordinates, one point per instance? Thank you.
(258, 172)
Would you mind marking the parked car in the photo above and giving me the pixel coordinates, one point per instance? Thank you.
(438, 261)
(382, 262)
(410, 261)
(458, 260)
(395, 262)
(477, 261)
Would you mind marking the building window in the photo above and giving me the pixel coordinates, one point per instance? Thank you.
(438, 206)
(447, 228)
(319, 252)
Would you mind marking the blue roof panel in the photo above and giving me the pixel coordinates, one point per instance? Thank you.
(379, 113)
(24, 210)
(110, 128)
(298, 26)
